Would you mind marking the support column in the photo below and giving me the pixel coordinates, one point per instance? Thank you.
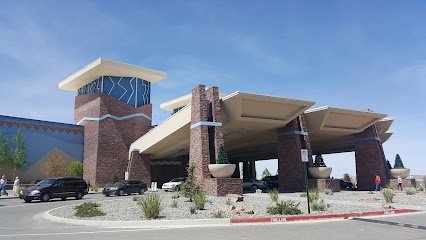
(370, 159)
(253, 169)
(246, 172)
(237, 170)
(291, 139)
(139, 167)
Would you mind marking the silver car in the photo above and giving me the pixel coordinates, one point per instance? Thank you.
(173, 185)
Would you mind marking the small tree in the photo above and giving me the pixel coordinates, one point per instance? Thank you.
(191, 188)
(114, 179)
(266, 173)
(398, 162)
(75, 169)
(319, 161)
(55, 165)
(223, 156)
(19, 155)
(346, 177)
(5, 158)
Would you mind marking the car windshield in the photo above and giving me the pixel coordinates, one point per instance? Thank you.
(119, 184)
(46, 182)
(176, 180)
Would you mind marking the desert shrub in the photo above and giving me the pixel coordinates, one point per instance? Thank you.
(174, 204)
(388, 186)
(94, 188)
(319, 205)
(388, 194)
(150, 205)
(313, 194)
(199, 201)
(273, 194)
(218, 214)
(420, 189)
(88, 209)
(410, 191)
(192, 210)
(285, 208)
(191, 187)
(328, 191)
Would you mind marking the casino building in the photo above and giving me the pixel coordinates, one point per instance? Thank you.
(113, 104)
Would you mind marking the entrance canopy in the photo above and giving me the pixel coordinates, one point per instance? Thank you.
(250, 124)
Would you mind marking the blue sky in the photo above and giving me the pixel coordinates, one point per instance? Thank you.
(350, 54)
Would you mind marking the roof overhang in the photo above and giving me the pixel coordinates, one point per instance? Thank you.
(383, 125)
(105, 67)
(181, 102)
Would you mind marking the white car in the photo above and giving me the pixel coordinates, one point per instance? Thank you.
(173, 185)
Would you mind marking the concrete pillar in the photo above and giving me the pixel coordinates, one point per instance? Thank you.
(237, 170)
(246, 170)
(253, 169)
(291, 139)
(369, 158)
(139, 167)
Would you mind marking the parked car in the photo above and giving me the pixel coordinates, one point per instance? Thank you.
(173, 185)
(125, 187)
(50, 188)
(251, 184)
(345, 185)
(271, 182)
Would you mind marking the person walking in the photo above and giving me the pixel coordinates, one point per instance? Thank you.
(377, 181)
(16, 184)
(3, 182)
(399, 183)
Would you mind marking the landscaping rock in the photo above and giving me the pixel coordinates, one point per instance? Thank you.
(258, 190)
(226, 208)
(242, 211)
(235, 198)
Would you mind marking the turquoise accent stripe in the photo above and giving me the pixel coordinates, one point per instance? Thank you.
(204, 123)
(303, 133)
(113, 117)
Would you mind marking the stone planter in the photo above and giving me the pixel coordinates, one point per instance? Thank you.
(320, 172)
(222, 170)
(402, 172)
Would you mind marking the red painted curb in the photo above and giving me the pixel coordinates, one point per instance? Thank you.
(291, 218)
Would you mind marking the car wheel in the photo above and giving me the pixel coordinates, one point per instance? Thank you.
(45, 197)
(63, 198)
(107, 195)
(121, 192)
(253, 188)
(142, 191)
(177, 188)
(27, 200)
(79, 195)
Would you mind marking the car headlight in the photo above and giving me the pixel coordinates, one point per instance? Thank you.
(35, 192)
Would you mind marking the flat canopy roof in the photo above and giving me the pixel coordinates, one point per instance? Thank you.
(105, 67)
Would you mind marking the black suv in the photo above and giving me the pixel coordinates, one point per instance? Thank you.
(125, 187)
(49, 188)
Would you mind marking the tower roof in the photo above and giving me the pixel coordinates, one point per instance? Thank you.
(105, 67)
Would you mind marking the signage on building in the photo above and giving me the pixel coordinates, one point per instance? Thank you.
(305, 156)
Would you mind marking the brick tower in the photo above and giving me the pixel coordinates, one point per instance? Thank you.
(113, 104)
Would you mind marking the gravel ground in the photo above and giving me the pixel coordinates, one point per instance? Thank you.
(126, 209)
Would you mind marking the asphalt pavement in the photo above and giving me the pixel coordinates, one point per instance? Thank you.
(19, 220)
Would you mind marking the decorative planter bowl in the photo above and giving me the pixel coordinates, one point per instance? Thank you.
(320, 172)
(402, 172)
(222, 170)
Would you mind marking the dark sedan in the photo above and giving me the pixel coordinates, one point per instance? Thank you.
(271, 182)
(252, 184)
(125, 187)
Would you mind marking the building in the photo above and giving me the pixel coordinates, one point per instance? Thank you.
(113, 105)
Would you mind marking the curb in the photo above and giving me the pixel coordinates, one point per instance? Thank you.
(152, 224)
(288, 218)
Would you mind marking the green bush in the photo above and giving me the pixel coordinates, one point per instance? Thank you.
(388, 194)
(199, 201)
(420, 189)
(319, 206)
(273, 194)
(410, 191)
(328, 191)
(313, 194)
(398, 162)
(75, 169)
(94, 188)
(88, 209)
(190, 187)
(285, 208)
(114, 179)
(223, 156)
(192, 210)
(150, 205)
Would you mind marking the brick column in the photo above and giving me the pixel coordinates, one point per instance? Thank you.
(291, 139)
(199, 153)
(369, 159)
(139, 167)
